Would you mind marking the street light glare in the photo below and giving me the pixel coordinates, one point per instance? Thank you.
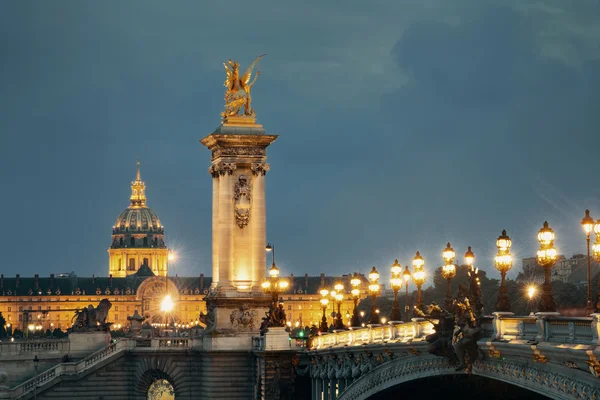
(167, 305)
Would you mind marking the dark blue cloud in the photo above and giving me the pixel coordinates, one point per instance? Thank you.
(488, 133)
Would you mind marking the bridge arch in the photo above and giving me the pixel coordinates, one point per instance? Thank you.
(551, 380)
(163, 370)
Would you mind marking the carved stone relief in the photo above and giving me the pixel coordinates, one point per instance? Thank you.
(244, 318)
(242, 201)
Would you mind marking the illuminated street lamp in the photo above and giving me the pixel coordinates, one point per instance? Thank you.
(587, 223)
(373, 290)
(324, 302)
(407, 277)
(396, 284)
(448, 272)
(503, 263)
(596, 255)
(531, 290)
(546, 258)
(418, 278)
(355, 282)
(338, 297)
(274, 285)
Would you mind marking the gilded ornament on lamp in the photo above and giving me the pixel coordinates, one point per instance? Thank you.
(238, 92)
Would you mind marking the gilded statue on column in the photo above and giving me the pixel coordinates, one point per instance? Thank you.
(237, 94)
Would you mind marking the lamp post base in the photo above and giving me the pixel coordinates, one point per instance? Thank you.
(547, 303)
(503, 303)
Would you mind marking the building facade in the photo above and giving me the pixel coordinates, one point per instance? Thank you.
(138, 281)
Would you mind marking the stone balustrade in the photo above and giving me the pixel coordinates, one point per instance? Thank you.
(258, 343)
(68, 368)
(417, 329)
(37, 347)
(502, 326)
(171, 342)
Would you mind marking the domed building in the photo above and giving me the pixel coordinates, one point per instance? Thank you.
(138, 238)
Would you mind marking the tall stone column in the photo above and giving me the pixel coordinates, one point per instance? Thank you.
(225, 231)
(236, 302)
(259, 223)
(214, 172)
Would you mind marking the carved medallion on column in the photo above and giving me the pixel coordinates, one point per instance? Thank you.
(260, 169)
(242, 201)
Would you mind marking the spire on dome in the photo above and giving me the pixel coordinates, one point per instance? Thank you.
(138, 190)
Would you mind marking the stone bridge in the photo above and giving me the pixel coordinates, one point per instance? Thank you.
(555, 356)
(126, 368)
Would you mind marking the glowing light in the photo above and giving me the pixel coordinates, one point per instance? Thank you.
(167, 305)
(531, 291)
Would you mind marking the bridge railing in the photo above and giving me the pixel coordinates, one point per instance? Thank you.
(418, 328)
(500, 326)
(547, 328)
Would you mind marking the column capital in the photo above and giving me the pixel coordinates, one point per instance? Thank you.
(227, 168)
(213, 170)
(260, 168)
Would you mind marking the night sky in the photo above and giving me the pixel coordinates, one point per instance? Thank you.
(403, 125)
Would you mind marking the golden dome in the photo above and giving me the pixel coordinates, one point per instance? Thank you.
(138, 225)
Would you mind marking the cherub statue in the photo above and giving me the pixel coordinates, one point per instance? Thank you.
(234, 100)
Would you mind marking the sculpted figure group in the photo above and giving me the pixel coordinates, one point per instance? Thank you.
(92, 319)
(456, 333)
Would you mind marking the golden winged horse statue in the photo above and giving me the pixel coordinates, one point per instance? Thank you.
(237, 94)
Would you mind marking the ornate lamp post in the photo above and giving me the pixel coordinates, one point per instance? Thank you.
(36, 362)
(418, 277)
(474, 283)
(448, 272)
(324, 302)
(407, 278)
(596, 255)
(546, 258)
(396, 283)
(274, 285)
(587, 223)
(271, 247)
(338, 296)
(503, 263)
(355, 282)
(373, 290)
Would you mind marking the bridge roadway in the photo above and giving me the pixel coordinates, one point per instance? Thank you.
(555, 356)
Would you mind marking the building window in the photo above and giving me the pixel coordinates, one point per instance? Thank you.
(132, 242)
(9, 309)
(146, 242)
(20, 308)
(116, 308)
(131, 264)
(146, 261)
(9, 317)
(289, 308)
(116, 317)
